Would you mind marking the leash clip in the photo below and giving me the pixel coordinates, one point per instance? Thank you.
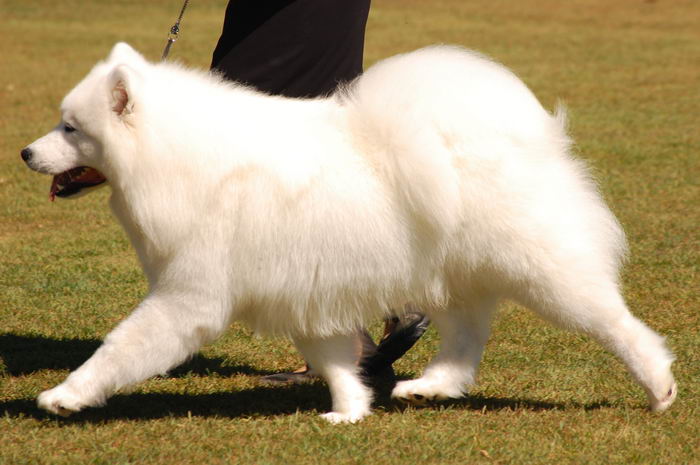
(174, 31)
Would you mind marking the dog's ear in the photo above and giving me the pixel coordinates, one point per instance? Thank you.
(121, 84)
(124, 53)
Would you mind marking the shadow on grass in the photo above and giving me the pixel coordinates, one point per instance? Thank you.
(256, 402)
(259, 401)
(26, 354)
(477, 402)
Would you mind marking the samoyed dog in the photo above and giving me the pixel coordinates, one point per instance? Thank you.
(436, 178)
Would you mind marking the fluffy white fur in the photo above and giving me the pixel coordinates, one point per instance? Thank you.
(436, 178)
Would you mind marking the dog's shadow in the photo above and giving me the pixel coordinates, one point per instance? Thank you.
(249, 403)
(22, 355)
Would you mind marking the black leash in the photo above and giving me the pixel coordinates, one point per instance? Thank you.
(174, 31)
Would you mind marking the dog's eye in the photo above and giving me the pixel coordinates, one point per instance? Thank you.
(68, 128)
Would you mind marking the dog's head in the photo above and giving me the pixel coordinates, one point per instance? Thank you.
(74, 150)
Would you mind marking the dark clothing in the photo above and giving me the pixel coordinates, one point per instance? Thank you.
(296, 48)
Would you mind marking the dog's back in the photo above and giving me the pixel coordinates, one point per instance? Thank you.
(478, 166)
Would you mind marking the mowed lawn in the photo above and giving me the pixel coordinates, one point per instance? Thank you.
(628, 72)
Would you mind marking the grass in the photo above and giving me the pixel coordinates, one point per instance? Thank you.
(626, 72)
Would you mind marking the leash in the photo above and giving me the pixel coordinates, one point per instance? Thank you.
(174, 31)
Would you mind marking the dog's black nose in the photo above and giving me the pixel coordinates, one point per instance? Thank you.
(26, 154)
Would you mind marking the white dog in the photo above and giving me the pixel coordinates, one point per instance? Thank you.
(436, 178)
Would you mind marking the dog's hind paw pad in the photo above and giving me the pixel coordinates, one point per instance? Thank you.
(666, 401)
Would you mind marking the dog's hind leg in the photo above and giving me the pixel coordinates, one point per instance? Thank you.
(595, 307)
(464, 332)
(335, 359)
(161, 333)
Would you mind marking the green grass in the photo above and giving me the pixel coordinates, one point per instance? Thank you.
(628, 73)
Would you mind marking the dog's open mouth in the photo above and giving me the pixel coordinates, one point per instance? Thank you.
(71, 182)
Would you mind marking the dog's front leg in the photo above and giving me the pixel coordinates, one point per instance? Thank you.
(161, 333)
(335, 359)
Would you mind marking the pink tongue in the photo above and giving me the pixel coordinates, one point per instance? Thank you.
(77, 178)
(54, 187)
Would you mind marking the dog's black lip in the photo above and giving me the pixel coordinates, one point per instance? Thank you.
(71, 190)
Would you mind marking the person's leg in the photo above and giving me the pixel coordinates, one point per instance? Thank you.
(305, 48)
(295, 48)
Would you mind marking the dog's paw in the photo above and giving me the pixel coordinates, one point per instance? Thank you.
(419, 392)
(337, 417)
(659, 405)
(60, 401)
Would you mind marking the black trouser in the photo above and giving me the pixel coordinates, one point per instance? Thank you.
(296, 48)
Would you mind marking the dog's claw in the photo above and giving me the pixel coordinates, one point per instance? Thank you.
(62, 411)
